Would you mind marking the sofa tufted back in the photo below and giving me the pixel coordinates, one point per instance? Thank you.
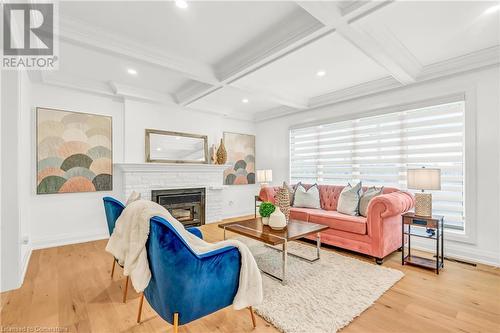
(328, 194)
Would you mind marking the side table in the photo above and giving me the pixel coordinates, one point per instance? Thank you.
(257, 204)
(418, 226)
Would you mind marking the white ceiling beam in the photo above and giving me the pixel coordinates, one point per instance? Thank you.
(293, 102)
(75, 32)
(475, 61)
(360, 8)
(198, 91)
(294, 32)
(277, 112)
(380, 45)
(126, 91)
(118, 90)
(205, 81)
(194, 91)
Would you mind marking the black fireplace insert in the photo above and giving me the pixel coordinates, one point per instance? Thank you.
(187, 205)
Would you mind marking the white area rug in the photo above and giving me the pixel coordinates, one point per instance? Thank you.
(323, 296)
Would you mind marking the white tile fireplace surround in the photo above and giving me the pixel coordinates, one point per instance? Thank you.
(144, 177)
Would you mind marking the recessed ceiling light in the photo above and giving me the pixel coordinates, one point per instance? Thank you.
(181, 4)
(321, 73)
(492, 9)
(244, 100)
(131, 71)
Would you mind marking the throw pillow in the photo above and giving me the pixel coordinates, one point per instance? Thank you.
(349, 199)
(291, 191)
(307, 198)
(370, 193)
(133, 197)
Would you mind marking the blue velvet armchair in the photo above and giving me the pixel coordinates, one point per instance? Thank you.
(185, 286)
(114, 209)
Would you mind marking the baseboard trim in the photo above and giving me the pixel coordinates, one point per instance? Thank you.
(26, 261)
(239, 214)
(66, 239)
(452, 251)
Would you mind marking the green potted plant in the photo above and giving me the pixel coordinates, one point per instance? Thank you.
(265, 210)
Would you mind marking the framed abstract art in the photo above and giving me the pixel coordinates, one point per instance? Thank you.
(240, 159)
(74, 152)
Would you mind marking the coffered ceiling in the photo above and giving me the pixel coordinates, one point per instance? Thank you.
(254, 60)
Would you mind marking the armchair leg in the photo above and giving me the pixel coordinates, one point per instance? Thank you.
(176, 322)
(252, 315)
(140, 309)
(125, 290)
(113, 268)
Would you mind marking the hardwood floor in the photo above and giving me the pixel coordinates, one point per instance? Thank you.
(70, 287)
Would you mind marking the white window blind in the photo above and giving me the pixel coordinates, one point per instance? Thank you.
(377, 150)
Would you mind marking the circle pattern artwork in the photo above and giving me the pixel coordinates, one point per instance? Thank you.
(74, 152)
(240, 158)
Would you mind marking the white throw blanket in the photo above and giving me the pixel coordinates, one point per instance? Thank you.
(127, 244)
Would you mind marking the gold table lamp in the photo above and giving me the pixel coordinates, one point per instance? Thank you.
(424, 179)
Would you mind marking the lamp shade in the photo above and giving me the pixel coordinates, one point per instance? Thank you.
(264, 176)
(424, 179)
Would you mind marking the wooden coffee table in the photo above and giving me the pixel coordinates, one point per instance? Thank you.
(253, 228)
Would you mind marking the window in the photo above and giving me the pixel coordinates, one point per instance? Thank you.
(377, 150)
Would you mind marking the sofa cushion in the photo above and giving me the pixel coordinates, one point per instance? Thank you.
(349, 199)
(369, 194)
(302, 214)
(339, 221)
(307, 198)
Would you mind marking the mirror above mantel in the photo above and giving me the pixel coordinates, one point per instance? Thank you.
(175, 147)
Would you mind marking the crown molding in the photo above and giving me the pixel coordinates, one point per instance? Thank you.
(80, 84)
(110, 89)
(78, 32)
(350, 6)
(121, 91)
(362, 8)
(235, 116)
(169, 167)
(469, 62)
(363, 89)
(472, 61)
(126, 91)
(192, 90)
(277, 112)
(288, 101)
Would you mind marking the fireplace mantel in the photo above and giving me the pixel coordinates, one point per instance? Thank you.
(169, 167)
(145, 177)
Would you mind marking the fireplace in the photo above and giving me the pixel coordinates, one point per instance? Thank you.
(186, 204)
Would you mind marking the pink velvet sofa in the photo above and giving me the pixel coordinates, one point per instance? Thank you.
(377, 235)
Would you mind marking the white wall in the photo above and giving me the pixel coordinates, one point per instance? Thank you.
(71, 217)
(10, 219)
(484, 86)
(15, 218)
(74, 217)
(138, 116)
